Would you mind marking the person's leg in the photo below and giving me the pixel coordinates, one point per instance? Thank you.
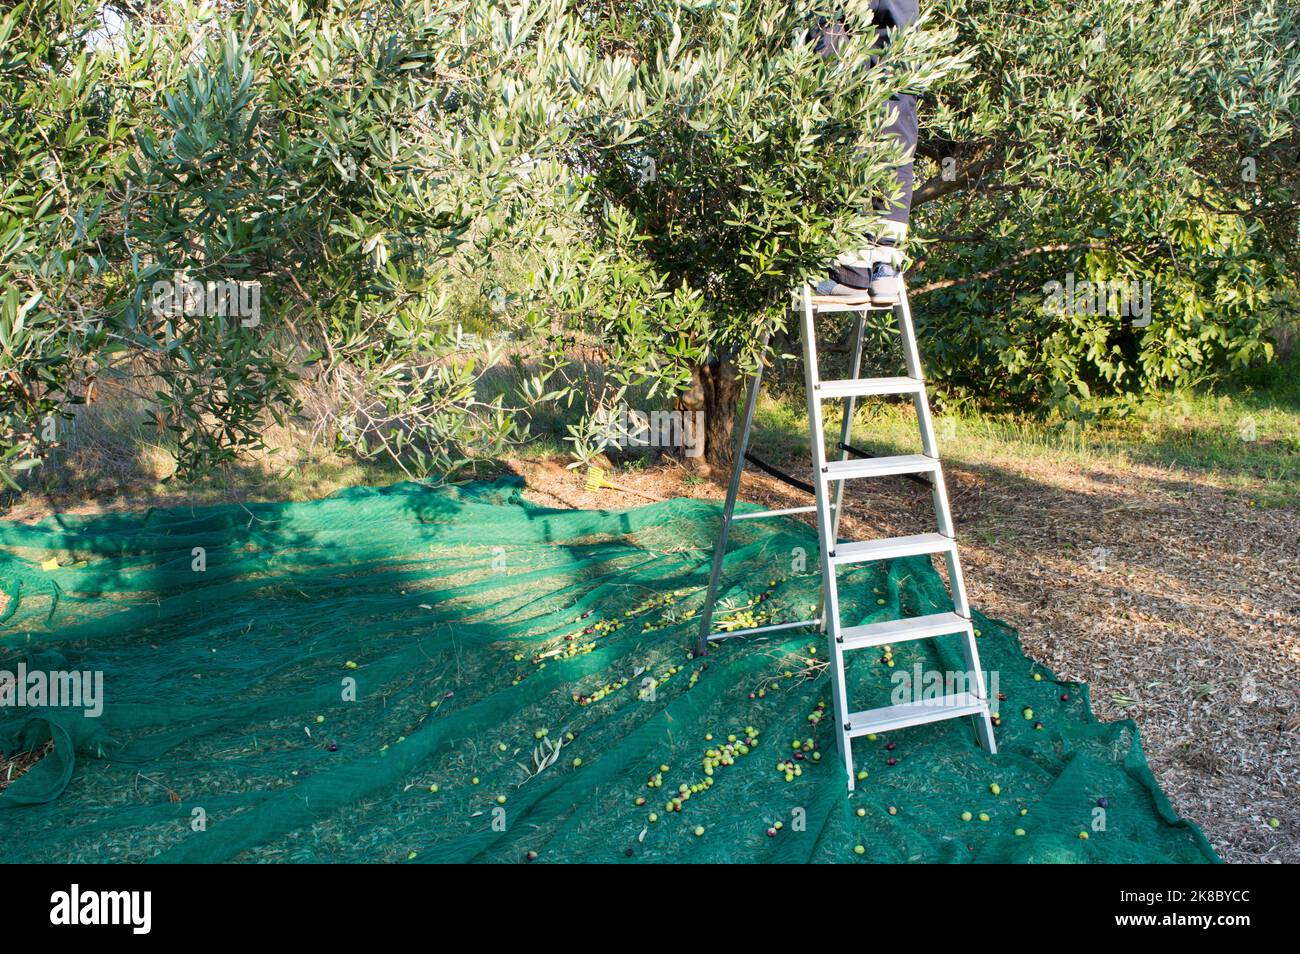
(876, 268)
(894, 231)
(856, 269)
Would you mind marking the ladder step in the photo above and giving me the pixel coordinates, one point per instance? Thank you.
(891, 548)
(902, 630)
(914, 713)
(880, 467)
(868, 387)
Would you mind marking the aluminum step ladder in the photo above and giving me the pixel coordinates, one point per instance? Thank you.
(827, 486)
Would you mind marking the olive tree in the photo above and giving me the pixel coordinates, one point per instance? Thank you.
(348, 157)
(1101, 142)
(1112, 145)
(337, 162)
(752, 162)
(60, 148)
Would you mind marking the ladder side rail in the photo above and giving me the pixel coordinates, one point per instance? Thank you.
(938, 486)
(983, 721)
(956, 580)
(912, 357)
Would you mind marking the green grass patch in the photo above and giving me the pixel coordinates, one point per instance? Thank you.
(1245, 431)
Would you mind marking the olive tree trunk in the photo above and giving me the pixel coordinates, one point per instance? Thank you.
(715, 389)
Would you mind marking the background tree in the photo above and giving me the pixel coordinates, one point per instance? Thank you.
(349, 157)
(60, 148)
(1140, 140)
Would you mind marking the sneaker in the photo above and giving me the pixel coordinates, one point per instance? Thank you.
(829, 291)
(886, 286)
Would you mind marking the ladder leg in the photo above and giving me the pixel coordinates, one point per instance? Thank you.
(912, 358)
(983, 721)
(835, 655)
(961, 606)
(943, 515)
(930, 447)
(733, 489)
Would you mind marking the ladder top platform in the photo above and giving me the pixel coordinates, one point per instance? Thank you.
(827, 303)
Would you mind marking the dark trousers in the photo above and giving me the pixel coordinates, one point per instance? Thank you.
(828, 34)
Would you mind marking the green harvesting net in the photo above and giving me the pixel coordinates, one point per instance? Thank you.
(408, 674)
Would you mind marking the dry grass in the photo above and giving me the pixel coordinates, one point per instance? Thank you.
(11, 769)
